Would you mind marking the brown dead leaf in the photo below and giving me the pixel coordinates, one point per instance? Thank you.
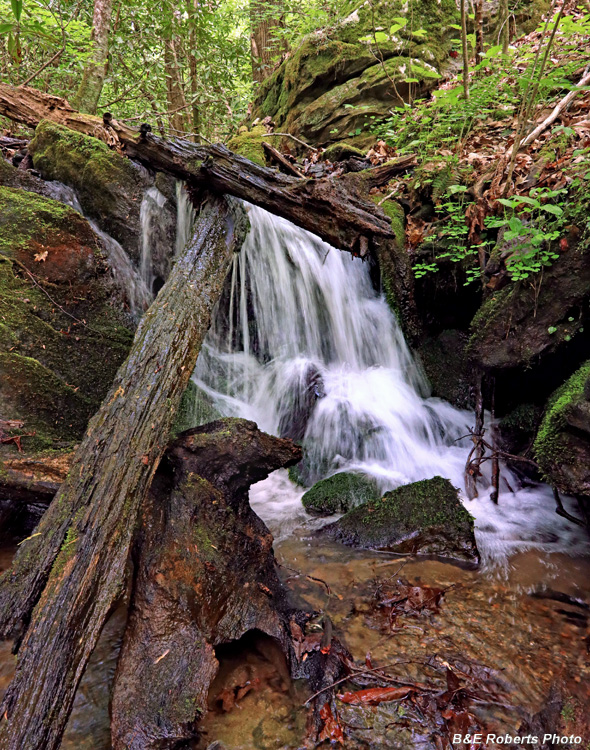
(40, 257)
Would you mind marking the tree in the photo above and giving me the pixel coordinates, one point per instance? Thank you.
(266, 18)
(88, 94)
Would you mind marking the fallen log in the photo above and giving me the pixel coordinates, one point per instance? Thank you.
(328, 207)
(74, 567)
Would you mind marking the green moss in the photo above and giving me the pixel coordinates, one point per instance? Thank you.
(55, 369)
(523, 419)
(339, 493)
(99, 175)
(342, 151)
(249, 144)
(425, 516)
(551, 444)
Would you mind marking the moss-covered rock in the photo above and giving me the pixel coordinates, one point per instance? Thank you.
(61, 340)
(562, 445)
(338, 79)
(523, 321)
(110, 188)
(424, 518)
(248, 143)
(339, 493)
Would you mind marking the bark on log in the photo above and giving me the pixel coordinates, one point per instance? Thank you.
(328, 207)
(205, 575)
(80, 551)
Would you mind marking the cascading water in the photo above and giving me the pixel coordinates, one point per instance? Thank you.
(185, 217)
(149, 213)
(138, 293)
(304, 346)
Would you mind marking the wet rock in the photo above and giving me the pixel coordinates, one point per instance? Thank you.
(562, 445)
(522, 322)
(296, 408)
(61, 336)
(446, 366)
(339, 493)
(110, 188)
(205, 576)
(424, 518)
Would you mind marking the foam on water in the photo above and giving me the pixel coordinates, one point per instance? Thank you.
(304, 346)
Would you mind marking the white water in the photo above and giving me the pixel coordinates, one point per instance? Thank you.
(149, 214)
(305, 347)
(125, 274)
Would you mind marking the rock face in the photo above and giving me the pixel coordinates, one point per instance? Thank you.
(61, 338)
(111, 190)
(339, 493)
(205, 576)
(520, 323)
(562, 445)
(424, 518)
(342, 77)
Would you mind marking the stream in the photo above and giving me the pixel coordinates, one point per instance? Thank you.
(303, 345)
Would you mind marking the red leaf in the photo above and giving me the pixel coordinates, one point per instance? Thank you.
(374, 696)
(332, 729)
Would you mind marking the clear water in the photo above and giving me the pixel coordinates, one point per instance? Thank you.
(304, 346)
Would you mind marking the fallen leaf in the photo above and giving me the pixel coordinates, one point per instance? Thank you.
(39, 257)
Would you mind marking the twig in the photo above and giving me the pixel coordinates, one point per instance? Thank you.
(55, 57)
(559, 107)
(561, 511)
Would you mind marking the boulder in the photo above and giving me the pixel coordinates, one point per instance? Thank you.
(425, 518)
(339, 493)
(562, 445)
(110, 189)
(341, 79)
(61, 336)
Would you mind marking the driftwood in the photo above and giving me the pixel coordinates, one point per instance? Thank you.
(330, 208)
(74, 567)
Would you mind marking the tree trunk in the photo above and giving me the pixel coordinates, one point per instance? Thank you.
(74, 567)
(504, 26)
(177, 106)
(478, 31)
(205, 575)
(464, 48)
(87, 96)
(265, 43)
(331, 208)
(193, 9)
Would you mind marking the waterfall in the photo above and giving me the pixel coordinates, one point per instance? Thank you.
(149, 214)
(303, 345)
(127, 277)
(185, 217)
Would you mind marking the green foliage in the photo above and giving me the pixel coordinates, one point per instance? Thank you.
(531, 228)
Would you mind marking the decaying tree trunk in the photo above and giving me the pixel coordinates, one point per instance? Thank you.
(205, 575)
(329, 207)
(73, 567)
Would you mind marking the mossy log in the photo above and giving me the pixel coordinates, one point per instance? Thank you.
(73, 568)
(329, 207)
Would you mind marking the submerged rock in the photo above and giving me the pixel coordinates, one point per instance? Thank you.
(339, 493)
(424, 518)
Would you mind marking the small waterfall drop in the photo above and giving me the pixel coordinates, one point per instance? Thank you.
(304, 346)
(138, 293)
(149, 214)
(185, 217)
